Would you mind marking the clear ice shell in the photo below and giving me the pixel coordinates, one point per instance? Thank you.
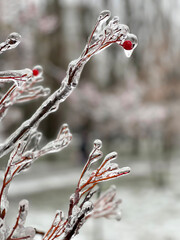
(134, 41)
(13, 40)
(114, 22)
(124, 29)
(75, 211)
(104, 15)
(18, 76)
(23, 208)
(87, 206)
(112, 166)
(25, 204)
(95, 156)
(108, 31)
(111, 156)
(98, 143)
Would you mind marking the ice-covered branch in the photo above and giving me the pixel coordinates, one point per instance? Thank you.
(81, 207)
(23, 88)
(103, 35)
(22, 158)
(19, 231)
(24, 142)
(106, 170)
(107, 205)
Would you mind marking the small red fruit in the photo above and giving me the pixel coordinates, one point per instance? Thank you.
(35, 72)
(127, 45)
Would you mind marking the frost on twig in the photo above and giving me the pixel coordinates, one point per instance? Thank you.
(81, 207)
(103, 35)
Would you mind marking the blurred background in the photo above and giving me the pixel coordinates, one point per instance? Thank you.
(132, 105)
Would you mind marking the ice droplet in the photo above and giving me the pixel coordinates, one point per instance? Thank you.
(13, 40)
(118, 216)
(104, 15)
(134, 41)
(98, 144)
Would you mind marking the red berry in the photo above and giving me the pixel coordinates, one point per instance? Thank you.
(35, 72)
(127, 45)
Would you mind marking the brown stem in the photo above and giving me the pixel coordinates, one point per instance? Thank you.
(75, 227)
(39, 232)
(8, 92)
(15, 226)
(85, 167)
